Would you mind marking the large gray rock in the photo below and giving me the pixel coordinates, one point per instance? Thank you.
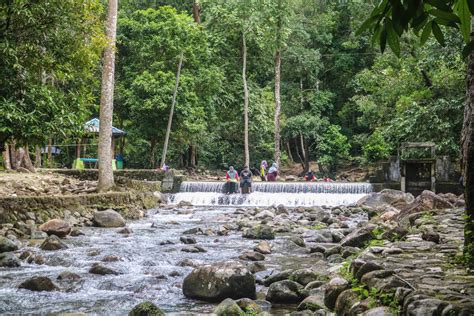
(219, 281)
(9, 260)
(7, 245)
(38, 284)
(56, 227)
(286, 292)
(426, 201)
(146, 309)
(335, 287)
(108, 218)
(228, 307)
(379, 200)
(312, 303)
(280, 276)
(348, 303)
(359, 237)
(305, 276)
(53, 243)
(259, 232)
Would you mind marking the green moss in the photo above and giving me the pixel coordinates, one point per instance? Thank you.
(146, 309)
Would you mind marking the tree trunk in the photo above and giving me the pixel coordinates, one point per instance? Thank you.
(6, 157)
(288, 150)
(305, 152)
(298, 153)
(467, 141)
(192, 156)
(50, 152)
(152, 154)
(196, 12)
(277, 106)
(37, 156)
(170, 118)
(106, 175)
(246, 100)
(26, 160)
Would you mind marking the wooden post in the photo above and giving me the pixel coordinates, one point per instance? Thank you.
(37, 156)
(50, 152)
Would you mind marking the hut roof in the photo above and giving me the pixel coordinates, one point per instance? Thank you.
(92, 126)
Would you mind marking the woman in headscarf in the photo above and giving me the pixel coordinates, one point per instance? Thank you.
(246, 180)
(263, 170)
(272, 172)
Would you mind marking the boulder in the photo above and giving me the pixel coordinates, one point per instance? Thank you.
(53, 243)
(193, 249)
(346, 302)
(56, 227)
(108, 218)
(378, 200)
(366, 268)
(187, 240)
(125, 231)
(228, 307)
(249, 306)
(431, 236)
(378, 311)
(264, 214)
(312, 303)
(97, 268)
(263, 247)
(284, 275)
(218, 281)
(38, 284)
(256, 267)
(335, 287)
(69, 276)
(252, 256)
(7, 245)
(285, 292)
(359, 237)
(426, 201)
(194, 231)
(298, 241)
(146, 309)
(9, 260)
(305, 276)
(76, 232)
(259, 232)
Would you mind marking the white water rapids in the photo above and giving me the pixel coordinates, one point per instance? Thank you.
(274, 193)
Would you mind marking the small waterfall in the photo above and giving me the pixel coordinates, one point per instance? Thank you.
(274, 193)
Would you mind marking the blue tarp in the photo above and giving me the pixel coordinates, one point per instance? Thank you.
(92, 126)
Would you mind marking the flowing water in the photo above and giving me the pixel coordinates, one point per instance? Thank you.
(274, 193)
(150, 256)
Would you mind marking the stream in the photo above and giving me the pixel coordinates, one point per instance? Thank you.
(150, 260)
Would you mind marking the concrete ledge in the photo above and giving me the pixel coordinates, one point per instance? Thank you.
(92, 174)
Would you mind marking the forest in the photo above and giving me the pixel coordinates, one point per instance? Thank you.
(340, 101)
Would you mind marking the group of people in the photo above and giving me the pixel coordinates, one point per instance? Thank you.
(233, 179)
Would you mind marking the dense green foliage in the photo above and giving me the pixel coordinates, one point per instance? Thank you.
(342, 101)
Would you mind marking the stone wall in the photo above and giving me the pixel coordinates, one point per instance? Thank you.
(92, 174)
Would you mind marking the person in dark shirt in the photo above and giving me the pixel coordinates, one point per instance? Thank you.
(246, 180)
(310, 176)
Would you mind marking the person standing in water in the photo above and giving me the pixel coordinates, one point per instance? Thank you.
(272, 173)
(246, 180)
(232, 178)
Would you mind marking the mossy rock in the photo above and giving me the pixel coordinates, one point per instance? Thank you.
(146, 309)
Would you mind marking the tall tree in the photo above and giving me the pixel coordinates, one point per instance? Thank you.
(389, 20)
(106, 175)
(170, 118)
(279, 44)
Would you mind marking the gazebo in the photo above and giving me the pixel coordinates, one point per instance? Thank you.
(92, 130)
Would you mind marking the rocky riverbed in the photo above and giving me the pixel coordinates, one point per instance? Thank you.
(228, 261)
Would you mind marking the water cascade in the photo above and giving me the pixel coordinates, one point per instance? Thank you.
(274, 193)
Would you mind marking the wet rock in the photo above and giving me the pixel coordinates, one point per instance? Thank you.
(174, 274)
(431, 236)
(9, 260)
(305, 276)
(38, 235)
(111, 258)
(285, 292)
(93, 252)
(428, 306)
(317, 249)
(187, 240)
(7, 245)
(314, 285)
(359, 237)
(312, 303)
(332, 251)
(188, 263)
(346, 300)
(166, 242)
(335, 287)
(56, 227)
(384, 280)
(335, 258)
(263, 247)
(298, 241)
(252, 256)
(259, 232)
(97, 268)
(349, 251)
(249, 306)
(218, 281)
(256, 267)
(37, 259)
(366, 268)
(193, 231)
(125, 231)
(108, 218)
(68, 276)
(387, 196)
(395, 233)
(337, 236)
(193, 249)
(378, 311)
(284, 275)
(53, 243)
(265, 214)
(38, 284)
(146, 309)
(76, 232)
(184, 204)
(25, 254)
(228, 307)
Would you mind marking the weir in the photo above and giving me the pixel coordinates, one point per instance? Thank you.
(274, 193)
